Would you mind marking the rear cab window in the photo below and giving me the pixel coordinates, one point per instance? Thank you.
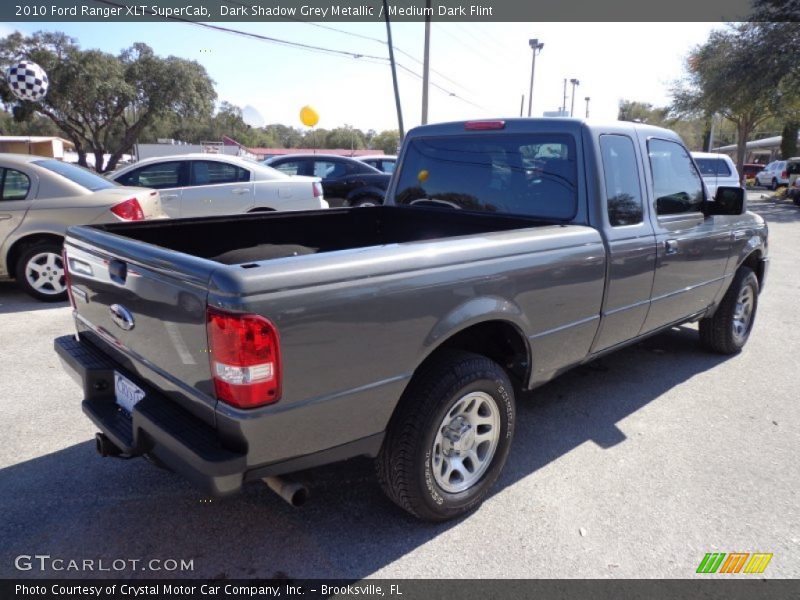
(621, 175)
(524, 174)
(713, 167)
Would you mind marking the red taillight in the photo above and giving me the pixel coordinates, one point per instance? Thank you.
(784, 174)
(245, 358)
(130, 210)
(317, 187)
(67, 278)
(484, 125)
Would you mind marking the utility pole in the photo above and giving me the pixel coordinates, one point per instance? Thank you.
(564, 106)
(426, 61)
(587, 106)
(394, 71)
(574, 83)
(521, 104)
(536, 47)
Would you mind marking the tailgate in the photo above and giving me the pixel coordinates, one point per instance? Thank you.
(145, 307)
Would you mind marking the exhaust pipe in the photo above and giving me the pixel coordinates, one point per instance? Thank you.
(292, 492)
(105, 447)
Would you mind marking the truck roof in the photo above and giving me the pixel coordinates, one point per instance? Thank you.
(525, 125)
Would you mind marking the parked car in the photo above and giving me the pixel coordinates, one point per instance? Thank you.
(750, 170)
(717, 170)
(39, 198)
(793, 170)
(773, 175)
(345, 181)
(201, 185)
(405, 332)
(385, 163)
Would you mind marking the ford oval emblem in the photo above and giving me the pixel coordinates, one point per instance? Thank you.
(122, 317)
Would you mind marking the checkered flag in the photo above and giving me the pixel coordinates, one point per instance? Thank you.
(27, 80)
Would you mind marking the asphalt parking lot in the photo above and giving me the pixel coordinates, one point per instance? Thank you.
(633, 466)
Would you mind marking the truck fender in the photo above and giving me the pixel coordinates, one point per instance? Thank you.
(477, 311)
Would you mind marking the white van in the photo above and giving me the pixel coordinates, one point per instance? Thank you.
(717, 170)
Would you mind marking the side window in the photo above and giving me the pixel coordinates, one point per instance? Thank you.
(158, 176)
(290, 167)
(387, 166)
(623, 190)
(16, 185)
(676, 183)
(211, 172)
(329, 169)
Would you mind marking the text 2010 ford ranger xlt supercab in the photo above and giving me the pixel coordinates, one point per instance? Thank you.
(240, 348)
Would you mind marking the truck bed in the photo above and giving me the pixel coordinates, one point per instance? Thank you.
(256, 237)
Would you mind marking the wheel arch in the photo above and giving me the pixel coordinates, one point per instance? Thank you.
(19, 246)
(490, 326)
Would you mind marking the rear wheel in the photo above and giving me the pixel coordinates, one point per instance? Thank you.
(450, 437)
(728, 330)
(365, 202)
(40, 272)
(774, 185)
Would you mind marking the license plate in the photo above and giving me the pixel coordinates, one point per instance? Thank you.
(127, 393)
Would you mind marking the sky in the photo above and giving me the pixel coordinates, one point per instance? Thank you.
(481, 68)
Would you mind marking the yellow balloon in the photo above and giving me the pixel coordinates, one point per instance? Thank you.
(309, 116)
(423, 175)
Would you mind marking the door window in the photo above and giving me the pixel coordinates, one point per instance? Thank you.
(329, 169)
(623, 190)
(290, 167)
(15, 184)
(158, 176)
(211, 172)
(676, 183)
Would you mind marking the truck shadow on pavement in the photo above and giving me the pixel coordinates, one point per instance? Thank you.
(72, 504)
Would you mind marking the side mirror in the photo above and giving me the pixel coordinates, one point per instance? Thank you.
(727, 201)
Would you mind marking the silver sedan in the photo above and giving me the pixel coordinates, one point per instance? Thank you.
(39, 198)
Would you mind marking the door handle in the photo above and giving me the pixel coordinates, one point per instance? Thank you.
(169, 196)
(671, 246)
(5, 217)
(240, 191)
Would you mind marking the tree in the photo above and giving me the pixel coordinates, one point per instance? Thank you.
(288, 137)
(641, 112)
(725, 76)
(102, 102)
(345, 137)
(388, 141)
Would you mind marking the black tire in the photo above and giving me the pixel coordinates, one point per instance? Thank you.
(366, 201)
(405, 465)
(774, 185)
(53, 288)
(719, 332)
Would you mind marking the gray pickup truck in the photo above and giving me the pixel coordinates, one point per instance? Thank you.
(241, 348)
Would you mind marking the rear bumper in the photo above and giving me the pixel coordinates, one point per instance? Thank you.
(157, 426)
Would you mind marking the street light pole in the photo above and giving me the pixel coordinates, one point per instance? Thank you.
(574, 83)
(564, 105)
(536, 47)
(587, 106)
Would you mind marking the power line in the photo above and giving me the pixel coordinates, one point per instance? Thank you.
(302, 46)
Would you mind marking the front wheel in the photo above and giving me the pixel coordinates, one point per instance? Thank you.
(449, 438)
(40, 272)
(728, 330)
